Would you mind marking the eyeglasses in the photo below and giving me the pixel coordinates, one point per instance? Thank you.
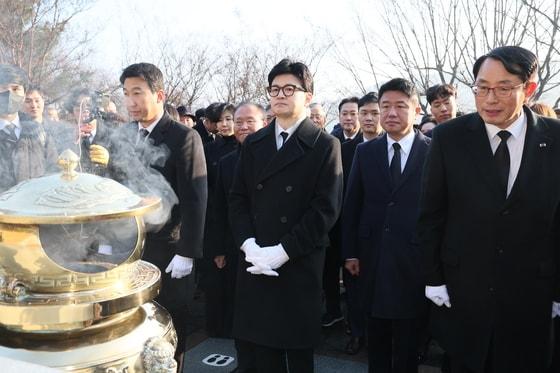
(288, 90)
(482, 91)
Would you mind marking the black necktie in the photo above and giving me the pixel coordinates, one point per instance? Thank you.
(10, 129)
(284, 137)
(395, 166)
(501, 158)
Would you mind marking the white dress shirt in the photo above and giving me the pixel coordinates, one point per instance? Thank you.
(406, 146)
(515, 143)
(15, 122)
(150, 128)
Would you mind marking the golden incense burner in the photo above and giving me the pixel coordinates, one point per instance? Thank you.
(74, 294)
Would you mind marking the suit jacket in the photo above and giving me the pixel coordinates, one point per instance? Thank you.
(498, 257)
(291, 196)
(379, 226)
(184, 168)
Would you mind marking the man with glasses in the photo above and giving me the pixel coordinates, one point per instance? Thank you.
(489, 222)
(285, 197)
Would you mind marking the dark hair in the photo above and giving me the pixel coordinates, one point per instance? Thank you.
(146, 71)
(215, 110)
(516, 60)
(35, 88)
(74, 98)
(347, 100)
(259, 107)
(400, 85)
(199, 113)
(440, 91)
(368, 98)
(297, 69)
(11, 74)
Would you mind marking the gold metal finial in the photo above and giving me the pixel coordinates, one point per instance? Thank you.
(68, 161)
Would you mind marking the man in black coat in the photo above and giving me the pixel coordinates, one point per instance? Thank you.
(489, 222)
(378, 230)
(206, 129)
(248, 118)
(286, 195)
(173, 247)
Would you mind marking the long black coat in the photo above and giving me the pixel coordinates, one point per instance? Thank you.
(379, 226)
(293, 197)
(498, 257)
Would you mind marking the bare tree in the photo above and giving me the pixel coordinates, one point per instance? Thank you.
(34, 36)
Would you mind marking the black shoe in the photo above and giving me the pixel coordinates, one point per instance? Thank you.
(330, 320)
(354, 345)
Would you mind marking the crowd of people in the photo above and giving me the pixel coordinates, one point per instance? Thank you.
(444, 228)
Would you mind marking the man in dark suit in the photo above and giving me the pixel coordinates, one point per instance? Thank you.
(285, 198)
(205, 128)
(349, 121)
(368, 114)
(248, 118)
(378, 230)
(489, 221)
(173, 247)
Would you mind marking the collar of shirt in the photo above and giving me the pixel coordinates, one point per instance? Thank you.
(278, 130)
(516, 129)
(15, 122)
(405, 143)
(152, 125)
(351, 137)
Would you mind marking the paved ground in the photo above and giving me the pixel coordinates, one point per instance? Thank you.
(332, 347)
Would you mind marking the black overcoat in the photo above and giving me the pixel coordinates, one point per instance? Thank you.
(498, 257)
(291, 196)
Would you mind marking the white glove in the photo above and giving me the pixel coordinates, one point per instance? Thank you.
(438, 295)
(555, 309)
(271, 256)
(252, 250)
(180, 266)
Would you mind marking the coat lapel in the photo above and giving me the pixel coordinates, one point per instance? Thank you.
(305, 137)
(477, 144)
(536, 142)
(158, 133)
(414, 159)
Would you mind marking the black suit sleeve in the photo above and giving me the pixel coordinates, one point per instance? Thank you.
(433, 212)
(193, 193)
(324, 207)
(218, 220)
(353, 202)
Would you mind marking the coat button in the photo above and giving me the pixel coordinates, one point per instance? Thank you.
(289, 189)
(500, 250)
(259, 186)
(283, 219)
(391, 204)
(505, 212)
(491, 289)
(386, 228)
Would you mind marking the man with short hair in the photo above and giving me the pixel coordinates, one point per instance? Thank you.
(318, 115)
(204, 128)
(26, 151)
(349, 120)
(489, 222)
(443, 102)
(378, 230)
(173, 247)
(285, 197)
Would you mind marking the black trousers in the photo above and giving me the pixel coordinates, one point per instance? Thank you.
(392, 345)
(331, 280)
(357, 317)
(220, 294)
(254, 358)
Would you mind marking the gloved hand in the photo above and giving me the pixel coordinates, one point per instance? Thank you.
(270, 256)
(179, 266)
(252, 250)
(99, 155)
(250, 247)
(262, 269)
(555, 309)
(438, 295)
